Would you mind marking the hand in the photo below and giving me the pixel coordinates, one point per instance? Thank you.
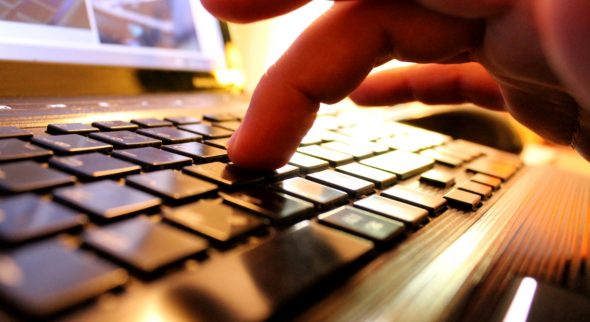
(529, 57)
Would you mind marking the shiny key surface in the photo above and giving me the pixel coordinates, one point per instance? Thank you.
(207, 131)
(71, 143)
(106, 199)
(307, 163)
(151, 158)
(487, 180)
(321, 196)
(333, 157)
(438, 178)
(380, 178)
(201, 153)
(357, 152)
(221, 117)
(442, 158)
(70, 128)
(218, 143)
(126, 139)
(214, 219)
(151, 122)
(228, 176)
(15, 149)
(115, 125)
(27, 217)
(410, 215)
(28, 176)
(7, 132)
(355, 187)
(280, 208)
(492, 168)
(94, 166)
(170, 135)
(172, 185)
(463, 200)
(181, 120)
(69, 277)
(304, 258)
(363, 223)
(144, 245)
(434, 204)
(479, 189)
(228, 125)
(403, 164)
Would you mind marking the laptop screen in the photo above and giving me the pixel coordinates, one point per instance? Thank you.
(149, 34)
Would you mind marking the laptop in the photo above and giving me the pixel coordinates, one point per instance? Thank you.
(118, 201)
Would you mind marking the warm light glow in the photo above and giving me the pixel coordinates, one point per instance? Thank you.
(521, 304)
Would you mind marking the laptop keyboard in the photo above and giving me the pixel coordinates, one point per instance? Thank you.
(89, 210)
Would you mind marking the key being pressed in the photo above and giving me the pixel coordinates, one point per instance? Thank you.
(214, 219)
(151, 158)
(321, 196)
(27, 217)
(172, 185)
(28, 176)
(144, 245)
(362, 223)
(403, 164)
(380, 178)
(355, 187)
(435, 205)
(280, 208)
(71, 143)
(410, 215)
(126, 139)
(305, 258)
(15, 149)
(94, 166)
(106, 200)
(76, 276)
(228, 176)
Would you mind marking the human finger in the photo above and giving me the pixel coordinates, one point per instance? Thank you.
(467, 8)
(243, 11)
(329, 60)
(431, 84)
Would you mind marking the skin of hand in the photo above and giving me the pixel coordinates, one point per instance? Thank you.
(528, 57)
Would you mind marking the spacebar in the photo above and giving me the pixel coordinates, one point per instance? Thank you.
(264, 282)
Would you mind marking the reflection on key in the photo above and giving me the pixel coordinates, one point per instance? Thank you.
(15, 149)
(307, 163)
(335, 158)
(380, 178)
(362, 223)
(355, 187)
(403, 164)
(410, 215)
(321, 196)
(172, 185)
(28, 176)
(434, 204)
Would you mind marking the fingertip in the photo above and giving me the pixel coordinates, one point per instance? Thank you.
(243, 156)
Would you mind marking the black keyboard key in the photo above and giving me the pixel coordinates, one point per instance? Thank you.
(362, 223)
(355, 187)
(151, 122)
(28, 176)
(357, 152)
(201, 153)
(170, 135)
(71, 143)
(301, 260)
(144, 245)
(7, 132)
(44, 278)
(410, 215)
(438, 178)
(321, 196)
(228, 176)
(308, 164)
(221, 117)
(284, 172)
(183, 120)
(151, 158)
(487, 180)
(403, 164)
(218, 143)
(228, 125)
(172, 185)
(207, 131)
(492, 168)
(463, 200)
(94, 166)
(214, 219)
(106, 199)
(27, 217)
(15, 149)
(126, 139)
(442, 158)
(115, 125)
(434, 204)
(280, 208)
(381, 179)
(479, 189)
(70, 128)
(333, 157)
